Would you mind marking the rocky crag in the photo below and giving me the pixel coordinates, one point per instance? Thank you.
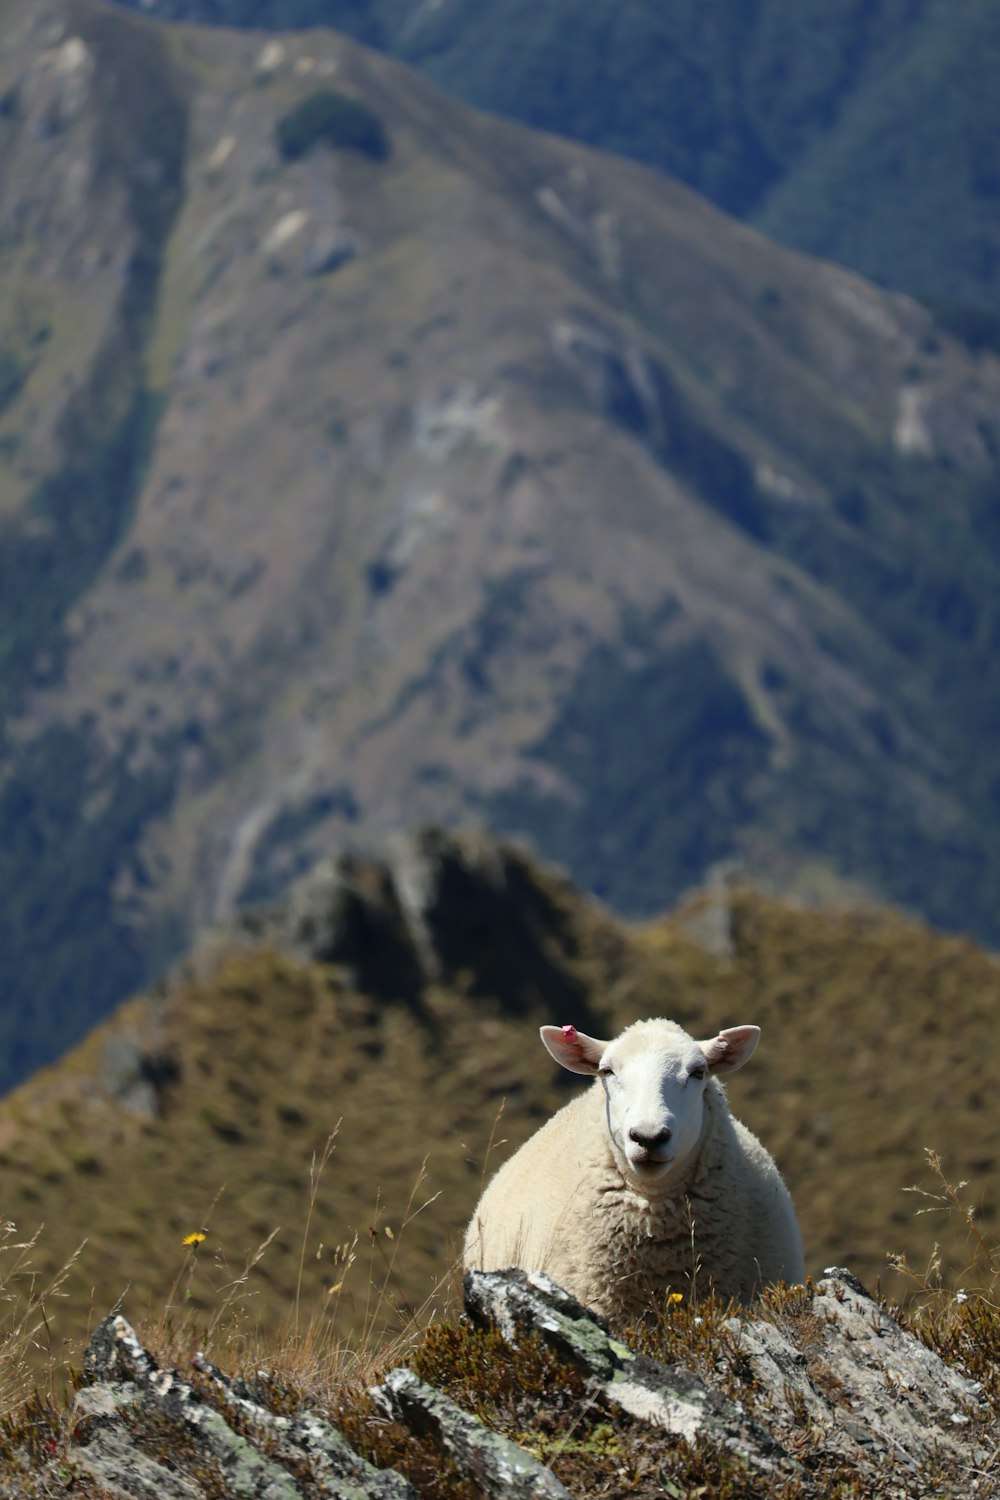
(817, 1392)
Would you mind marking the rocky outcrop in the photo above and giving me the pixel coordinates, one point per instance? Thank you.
(127, 1388)
(835, 1380)
(437, 907)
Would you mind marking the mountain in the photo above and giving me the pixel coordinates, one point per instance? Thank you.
(863, 132)
(366, 460)
(396, 1001)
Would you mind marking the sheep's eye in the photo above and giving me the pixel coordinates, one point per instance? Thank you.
(605, 1072)
(698, 1073)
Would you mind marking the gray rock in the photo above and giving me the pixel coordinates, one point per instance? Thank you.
(110, 1457)
(123, 1374)
(498, 1466)
(345, 912)
(60, 86)
(520, 1303)
(115, 1352)
(337, 1471)
(437, 905)
(134, 1075)
(830, 1374)
(871, 1393)
(320, 911)
(708, 918)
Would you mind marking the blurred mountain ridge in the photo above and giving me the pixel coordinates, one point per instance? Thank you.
(862, 132)
(366, 460)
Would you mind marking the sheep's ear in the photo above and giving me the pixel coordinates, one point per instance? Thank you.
(731, 1048)
(572, 1049)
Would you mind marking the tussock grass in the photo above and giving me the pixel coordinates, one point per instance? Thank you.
(343, 1336)
(981, 1276)
(957, 1313)
(26, 1302)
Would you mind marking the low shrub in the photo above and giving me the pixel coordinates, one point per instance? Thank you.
(335, 119)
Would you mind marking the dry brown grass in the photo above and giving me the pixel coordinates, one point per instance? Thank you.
(957, 1313)
(343, 1335)
(868, 1021)
(981, 1276)
(28, 1301)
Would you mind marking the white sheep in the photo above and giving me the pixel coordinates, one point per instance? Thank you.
(645, 1183)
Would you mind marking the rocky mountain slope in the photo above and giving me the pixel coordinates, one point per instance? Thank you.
(401, 998)
(364, 459)
(532, 1400)
(862, 132)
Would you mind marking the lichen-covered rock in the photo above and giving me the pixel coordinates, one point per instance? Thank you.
(838, 1379)
(337, 1470)
(111, 1457)
(500, 1467)
(520, 1302)
(869, 1388)
(127, 1375)
(249, 1474)
(817, 1389)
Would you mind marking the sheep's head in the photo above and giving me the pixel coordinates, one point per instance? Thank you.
(654, 1077)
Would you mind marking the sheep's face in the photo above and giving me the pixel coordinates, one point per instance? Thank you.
(654, 1077)
(654, 1089)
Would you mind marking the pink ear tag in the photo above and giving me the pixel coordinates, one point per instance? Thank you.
(569, 1033)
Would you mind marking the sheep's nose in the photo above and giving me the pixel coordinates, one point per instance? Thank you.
(647, 1142)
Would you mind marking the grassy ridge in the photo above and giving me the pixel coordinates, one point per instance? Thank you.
(877, 1040)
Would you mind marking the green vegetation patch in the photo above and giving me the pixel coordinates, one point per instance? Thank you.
(899, 552)
(65, 958)
(661, 752)
(44, 570)
(330, 118)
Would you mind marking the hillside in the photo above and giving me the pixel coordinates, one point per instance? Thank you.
(862, 132)
(365, 460)
(396, 1002)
